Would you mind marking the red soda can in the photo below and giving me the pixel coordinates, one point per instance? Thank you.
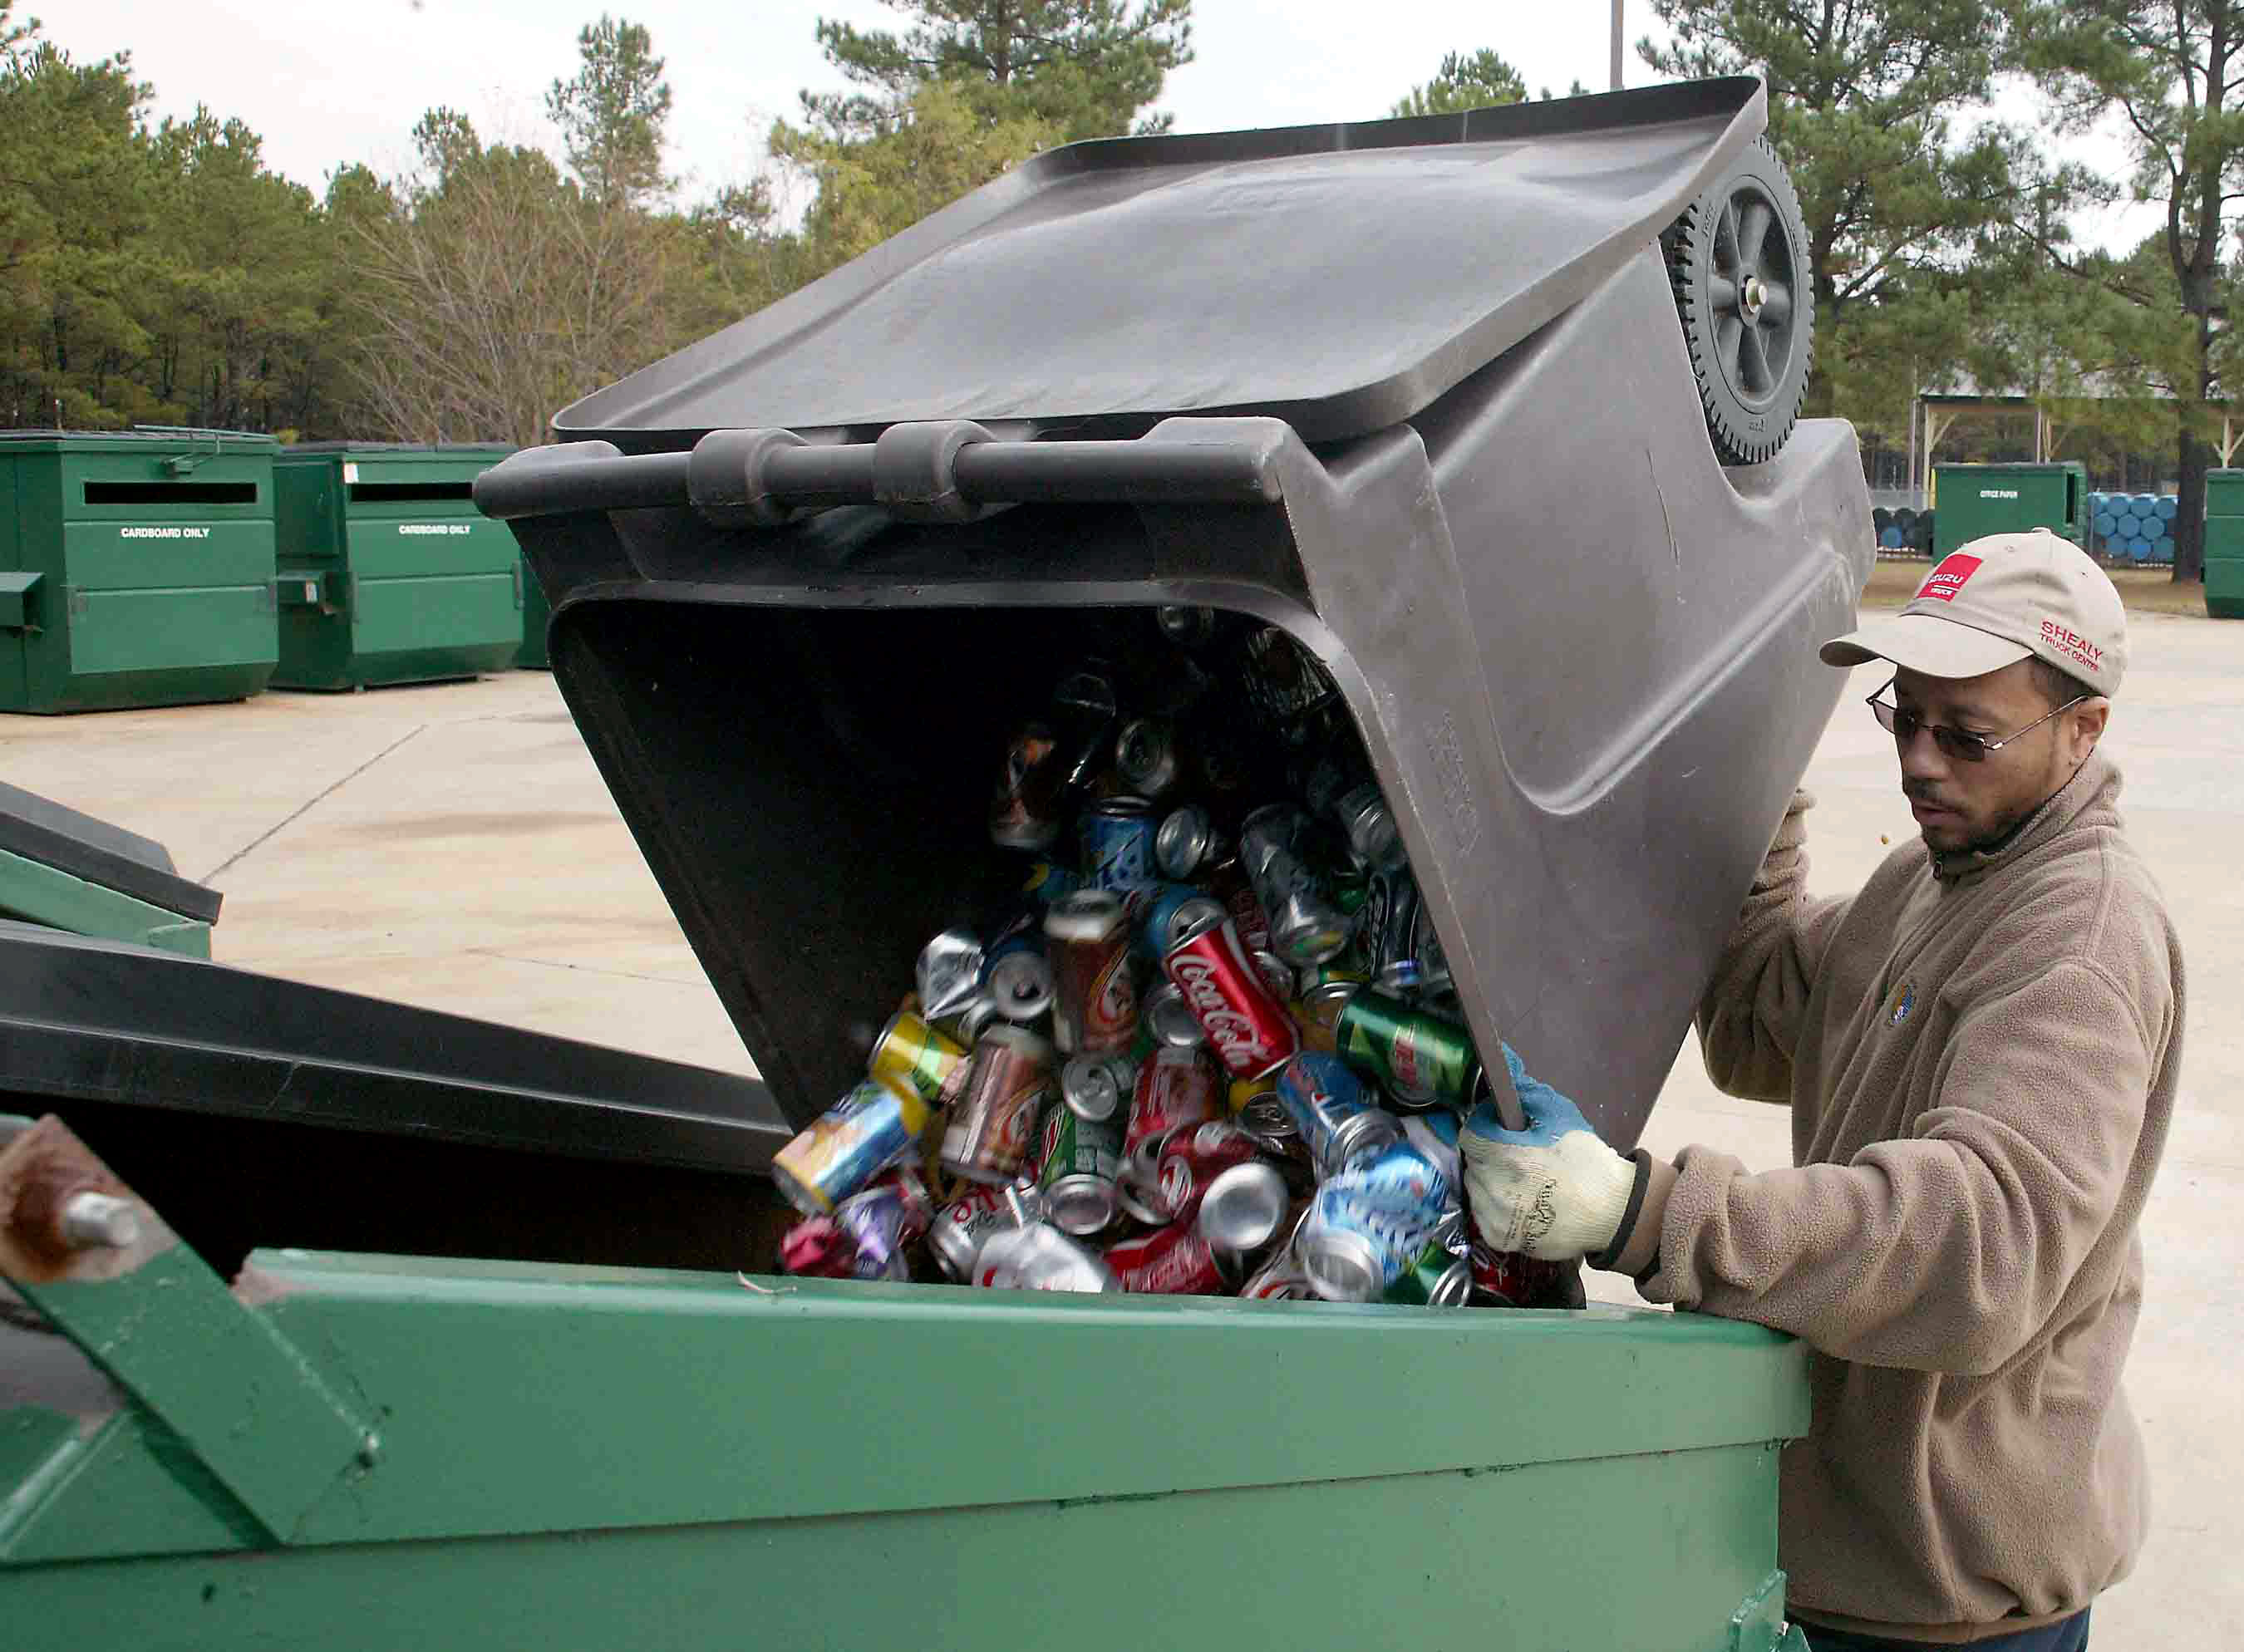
(1249, 1029)
(818, 1247)
(1176, 1088)
(1095, 1010)
(1236, 891)
(1174, 1261)
(1514, 1279)
(1193, 1158)
(992, 1127)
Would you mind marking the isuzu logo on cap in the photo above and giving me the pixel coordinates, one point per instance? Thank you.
(1949, 577)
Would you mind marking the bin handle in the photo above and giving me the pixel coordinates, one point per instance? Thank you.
(757, 477)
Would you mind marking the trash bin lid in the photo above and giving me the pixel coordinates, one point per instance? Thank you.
(1339, 277)
(97, 851)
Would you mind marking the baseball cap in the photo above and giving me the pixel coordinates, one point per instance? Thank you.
(1997, 601)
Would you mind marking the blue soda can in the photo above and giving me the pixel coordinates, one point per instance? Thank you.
(1153, 923)
(1047, 882)
(1367, 1225)
(1118, 835)
(1334, 1111)
(848, 1145)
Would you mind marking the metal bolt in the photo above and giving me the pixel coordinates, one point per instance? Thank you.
(94, 1221)
(370, 1450)
(1753, 297)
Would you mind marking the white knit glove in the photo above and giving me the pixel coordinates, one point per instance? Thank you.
(1553, 1191)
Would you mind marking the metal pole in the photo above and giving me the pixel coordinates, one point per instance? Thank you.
(1616, 44)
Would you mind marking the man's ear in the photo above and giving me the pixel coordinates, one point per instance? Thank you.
(2084, 726)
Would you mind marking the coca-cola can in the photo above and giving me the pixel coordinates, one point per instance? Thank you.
(1169, 1020)
(1095, 1008)
(1191, 1160)
(1281, 1279)
(994, 1121)
(1176, 1260)
(1176, 1088)
(1138, 1184)
(1248, 1028)
(1236, 891)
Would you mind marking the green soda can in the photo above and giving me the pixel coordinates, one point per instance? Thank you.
(1422, 1059)
(1440, 1275)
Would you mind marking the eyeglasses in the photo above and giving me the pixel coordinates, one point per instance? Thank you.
(1962, 746)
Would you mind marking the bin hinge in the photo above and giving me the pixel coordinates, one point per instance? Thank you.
(517, 582)
(74, 599)
(268, 597)
(247, 1409)
(1759, 1625)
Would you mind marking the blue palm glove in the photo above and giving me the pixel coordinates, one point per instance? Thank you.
(1553, 1191)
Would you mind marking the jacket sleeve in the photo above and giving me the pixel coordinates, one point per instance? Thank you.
(1946, 1250)
(1750, 1016)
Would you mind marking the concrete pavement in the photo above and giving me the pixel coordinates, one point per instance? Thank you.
(454, 847)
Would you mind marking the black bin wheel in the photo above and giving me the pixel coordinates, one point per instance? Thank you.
(1738, 258)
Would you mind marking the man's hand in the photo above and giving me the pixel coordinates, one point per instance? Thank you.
(1554, 1189)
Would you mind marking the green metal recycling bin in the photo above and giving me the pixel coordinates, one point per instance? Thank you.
(1973, 501)
(135, 569)
(389, 573)
(2224, 544)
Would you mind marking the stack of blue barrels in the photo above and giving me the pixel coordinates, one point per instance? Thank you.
(1903, 532)
(2131, 527)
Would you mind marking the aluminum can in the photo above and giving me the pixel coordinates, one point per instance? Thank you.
(1077, 1164)
(1157, 923)
(1187, 627)
(1248, 1028)
(1244, 1207)
(1020, 985)
(885, 1217)
(1337, 1116)
(1422, 1060)
(1138, 1186)
(1146, 757)
(965, 1028)
(994, 1121)
(1306, 927)
(1190, 1159)
(848, 1144)
(948, 974)
(1279, 1279)
(1176, 1088)
(1117, 836)
(1038, 1257)
(1514, 1279)
(1176, 1260)
(1025, 808)
(1277, 974)
(1045, 882)
(1440, 1275)
(1095, 1010)
(910, 1052)
(1094, 1087)
(1083, 717)
(1369, 1222)
(956, 1235)
(1228, 882)
(1186, 843)
(1169, 1020)
(1390, 933)
(818, 1247)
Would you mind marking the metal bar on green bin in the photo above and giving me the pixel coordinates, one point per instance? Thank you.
(233, 1396)
(45, 895)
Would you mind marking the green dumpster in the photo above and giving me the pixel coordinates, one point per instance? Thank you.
(388, 573)
(1973, 501)
(64, 870)
(2224, 544)
(135, 569)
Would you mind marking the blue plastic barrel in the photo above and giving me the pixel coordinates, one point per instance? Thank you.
(2127, 524)
(2167, 506)
(2147, 504)
(2140, 550)
(2104, 522)
(1890, 539)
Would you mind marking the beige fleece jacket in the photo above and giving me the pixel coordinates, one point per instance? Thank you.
(1980, 1053)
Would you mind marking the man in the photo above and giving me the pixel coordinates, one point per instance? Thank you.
(1980, 1050)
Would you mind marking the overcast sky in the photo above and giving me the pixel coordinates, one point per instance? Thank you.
(332, 83)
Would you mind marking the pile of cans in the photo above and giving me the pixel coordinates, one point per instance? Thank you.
(1206, 1043)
